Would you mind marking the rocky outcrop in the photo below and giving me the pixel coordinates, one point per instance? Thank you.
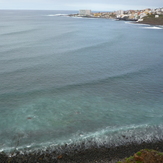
(145, 156)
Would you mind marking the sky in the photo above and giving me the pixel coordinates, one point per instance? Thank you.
(94, 5)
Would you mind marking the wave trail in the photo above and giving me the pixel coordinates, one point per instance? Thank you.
(104, 79)
(19, 32)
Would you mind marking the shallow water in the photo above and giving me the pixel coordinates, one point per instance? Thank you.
(67, 80)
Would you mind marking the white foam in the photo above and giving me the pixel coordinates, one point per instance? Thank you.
(50, 15)
(140, 24)
(77, 17)
(57, 15)
(137, 24)
(109, 136)
(152, 27)
(1, 150)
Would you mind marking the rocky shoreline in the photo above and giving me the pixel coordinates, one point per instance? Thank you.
(151, 20)
(90, 155)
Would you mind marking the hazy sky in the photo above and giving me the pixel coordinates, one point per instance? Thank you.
(98, 5)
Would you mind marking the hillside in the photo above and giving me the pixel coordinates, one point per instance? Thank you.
(150, 19)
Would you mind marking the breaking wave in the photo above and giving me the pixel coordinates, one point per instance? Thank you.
(108, 137)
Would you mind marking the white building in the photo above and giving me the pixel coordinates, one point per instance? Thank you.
(119, 12)
(84, 12)
(142, 15)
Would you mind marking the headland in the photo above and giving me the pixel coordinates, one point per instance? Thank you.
(146, 16)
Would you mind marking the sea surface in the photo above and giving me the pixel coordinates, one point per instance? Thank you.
(67, 81)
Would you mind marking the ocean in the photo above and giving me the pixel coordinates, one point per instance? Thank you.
(67, 81)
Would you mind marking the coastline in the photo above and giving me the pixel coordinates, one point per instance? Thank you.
(110, 155)
(147, 20)
(90, 155)
(151, 23)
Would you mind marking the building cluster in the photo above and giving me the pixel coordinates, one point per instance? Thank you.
(139, 14)
(84, 12)
(88, 13)
(120, 14)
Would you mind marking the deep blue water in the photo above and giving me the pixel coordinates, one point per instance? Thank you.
(66, 80)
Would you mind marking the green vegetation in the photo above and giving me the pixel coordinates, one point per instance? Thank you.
(138, 153)
(161, 154)
(130, 158)
(144, 156)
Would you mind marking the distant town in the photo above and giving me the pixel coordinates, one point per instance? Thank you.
(131, 15)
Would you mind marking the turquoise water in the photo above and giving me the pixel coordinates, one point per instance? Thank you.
(67, 80)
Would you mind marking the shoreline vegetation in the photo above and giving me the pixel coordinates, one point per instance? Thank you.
(116, 154)
(150, 19)
(146, 16)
